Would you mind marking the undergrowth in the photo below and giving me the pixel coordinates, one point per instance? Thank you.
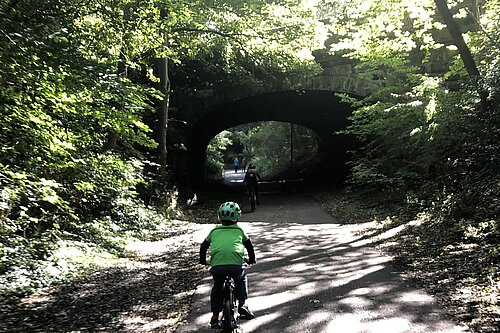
(57, 256)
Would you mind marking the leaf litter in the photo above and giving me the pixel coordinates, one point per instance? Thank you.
(149, 291)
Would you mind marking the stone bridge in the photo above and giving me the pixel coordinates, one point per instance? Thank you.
(310, 102)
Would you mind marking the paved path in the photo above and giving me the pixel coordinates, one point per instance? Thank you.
(314, 275)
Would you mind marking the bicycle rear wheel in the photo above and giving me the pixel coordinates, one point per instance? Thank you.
(227, 317)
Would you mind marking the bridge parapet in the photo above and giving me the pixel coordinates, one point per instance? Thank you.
(342, 78)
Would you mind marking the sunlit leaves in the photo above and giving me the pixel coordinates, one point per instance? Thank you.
(277, 35)
(215, 152)
(389, 28)
(61, 97)
(419, 134)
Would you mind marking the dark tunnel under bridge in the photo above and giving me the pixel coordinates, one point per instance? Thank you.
(321, 111)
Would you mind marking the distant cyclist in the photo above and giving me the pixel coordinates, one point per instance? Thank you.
(227, 242)
(252, 179)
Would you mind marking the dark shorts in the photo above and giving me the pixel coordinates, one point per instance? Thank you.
(219, 273)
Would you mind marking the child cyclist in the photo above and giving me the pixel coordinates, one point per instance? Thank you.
(227, 242)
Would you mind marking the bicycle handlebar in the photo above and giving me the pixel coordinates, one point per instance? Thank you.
(246, 262)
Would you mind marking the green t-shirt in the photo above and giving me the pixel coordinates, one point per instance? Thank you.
(226, 245)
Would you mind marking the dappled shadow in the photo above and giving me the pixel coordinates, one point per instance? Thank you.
(118, 299)
(314, 275)
(456, 269)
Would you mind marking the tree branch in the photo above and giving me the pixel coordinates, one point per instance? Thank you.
(463, 49)
(216, 32)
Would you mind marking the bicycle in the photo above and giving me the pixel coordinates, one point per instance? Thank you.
(230, 321)
(230, 315)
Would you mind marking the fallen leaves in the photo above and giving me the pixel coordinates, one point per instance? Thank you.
(149, 292)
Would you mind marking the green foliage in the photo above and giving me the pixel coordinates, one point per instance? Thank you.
(93, 210)
(394, 131)
(78, 90)
(222, 44)
(60, 104)
(268, 146)
(216, 151)
(421, 138)
(465, 152)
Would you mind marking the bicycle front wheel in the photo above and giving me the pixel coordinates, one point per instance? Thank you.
(227, 317)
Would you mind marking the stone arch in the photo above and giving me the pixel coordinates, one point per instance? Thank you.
(319, 110)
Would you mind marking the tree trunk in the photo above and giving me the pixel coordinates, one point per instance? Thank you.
(163, 113)
(463, 49)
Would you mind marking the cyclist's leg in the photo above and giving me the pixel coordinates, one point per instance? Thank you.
(251, 196)
(241, 292)
(249, 189)
(218, 274)
(240, 283)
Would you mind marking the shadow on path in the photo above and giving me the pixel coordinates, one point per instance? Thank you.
(314, 275)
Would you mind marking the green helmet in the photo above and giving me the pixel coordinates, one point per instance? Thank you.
(229, 211)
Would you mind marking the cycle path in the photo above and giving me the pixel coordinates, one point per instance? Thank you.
(315, 275)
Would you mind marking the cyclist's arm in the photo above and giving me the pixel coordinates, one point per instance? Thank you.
(203, 252)
(251, 253)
